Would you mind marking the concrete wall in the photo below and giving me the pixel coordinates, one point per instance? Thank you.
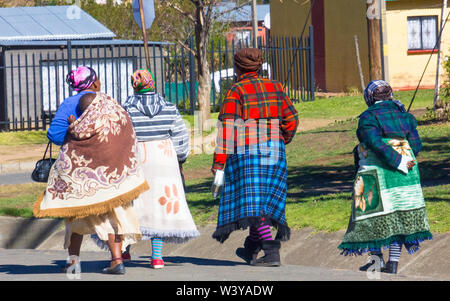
(288, 17)
(405, 69)
(335, 25)
(343, 20)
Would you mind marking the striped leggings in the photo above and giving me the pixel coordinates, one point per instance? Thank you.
(261, 232)
(157, 245)
(395, 250)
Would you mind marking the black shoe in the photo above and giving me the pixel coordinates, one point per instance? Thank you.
(391, 267)
(117, 270)
(371, 262)
(250, 250)
(271, 256)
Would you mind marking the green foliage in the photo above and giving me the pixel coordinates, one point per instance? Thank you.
(118, 18)
(442, 111)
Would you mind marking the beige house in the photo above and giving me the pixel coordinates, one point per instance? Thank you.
(410, 30)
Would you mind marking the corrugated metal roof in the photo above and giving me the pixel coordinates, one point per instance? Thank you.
(49, 23)
(76, 43)
(243, 14)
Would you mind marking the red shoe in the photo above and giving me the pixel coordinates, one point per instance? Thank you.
(156, 263)
(126, 257)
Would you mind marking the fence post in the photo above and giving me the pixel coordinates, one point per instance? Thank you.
(4, 103)
(69, 61)
(192, 95)
(311, 58)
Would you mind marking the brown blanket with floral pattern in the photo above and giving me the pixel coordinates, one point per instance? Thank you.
(97, 168)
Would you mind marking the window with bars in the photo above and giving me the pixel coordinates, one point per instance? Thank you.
(422, 32)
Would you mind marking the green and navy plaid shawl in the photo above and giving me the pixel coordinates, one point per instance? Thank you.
(385, 119)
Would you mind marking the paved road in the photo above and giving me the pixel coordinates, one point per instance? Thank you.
(15, 178)
(34, 265)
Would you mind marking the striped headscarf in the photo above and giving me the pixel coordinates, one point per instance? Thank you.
(378, 90)
(142, 81)
(81, 78)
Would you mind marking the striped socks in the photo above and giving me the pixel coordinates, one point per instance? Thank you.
(262, 232)
(157, 245)
(395, 250)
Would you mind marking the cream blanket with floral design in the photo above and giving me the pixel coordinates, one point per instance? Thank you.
(97, 168)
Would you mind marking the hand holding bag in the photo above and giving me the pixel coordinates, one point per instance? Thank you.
(42, 168)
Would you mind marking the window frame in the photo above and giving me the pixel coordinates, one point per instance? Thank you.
(421, 49)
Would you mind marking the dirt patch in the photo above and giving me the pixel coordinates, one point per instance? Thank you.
(197, 174)
(307, 124)
(418, 113)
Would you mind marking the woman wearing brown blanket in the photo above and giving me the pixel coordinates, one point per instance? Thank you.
(94, 181)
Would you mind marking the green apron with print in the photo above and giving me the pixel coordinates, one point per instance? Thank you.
(388, 205)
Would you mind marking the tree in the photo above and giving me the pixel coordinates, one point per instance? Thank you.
(202, 15)
(12, 3)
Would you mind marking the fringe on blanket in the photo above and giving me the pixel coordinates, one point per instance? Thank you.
(169, 236)
(83, 211)
(411, 242)
(176, 237)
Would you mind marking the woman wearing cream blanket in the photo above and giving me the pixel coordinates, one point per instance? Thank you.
(163, 142)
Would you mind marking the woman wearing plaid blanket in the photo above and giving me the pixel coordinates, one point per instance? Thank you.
(389, 208)
(256, 120)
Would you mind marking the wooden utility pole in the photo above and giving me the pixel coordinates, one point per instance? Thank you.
(255, 24)
(144, 34)
(373, 29)
(437, 88)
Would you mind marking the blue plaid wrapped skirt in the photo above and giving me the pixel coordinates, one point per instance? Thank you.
(254, 190)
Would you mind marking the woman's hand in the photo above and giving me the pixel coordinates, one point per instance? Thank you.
(71, 119)
(411, 164)
(213, 171)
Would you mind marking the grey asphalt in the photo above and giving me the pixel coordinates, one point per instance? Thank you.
(15, 178)
(39, 265)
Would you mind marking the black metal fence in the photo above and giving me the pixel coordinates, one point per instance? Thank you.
(32, 75)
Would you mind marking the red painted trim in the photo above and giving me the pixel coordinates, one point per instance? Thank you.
(318, 23)
(427, 51)
(411, 88)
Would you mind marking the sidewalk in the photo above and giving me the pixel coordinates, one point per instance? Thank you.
(35, 265)
(308, 255)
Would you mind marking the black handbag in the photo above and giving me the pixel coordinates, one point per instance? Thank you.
(42, 168)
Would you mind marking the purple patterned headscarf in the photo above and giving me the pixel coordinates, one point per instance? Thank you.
(81, 78)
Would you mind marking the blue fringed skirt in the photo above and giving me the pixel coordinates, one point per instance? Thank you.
(255, 189)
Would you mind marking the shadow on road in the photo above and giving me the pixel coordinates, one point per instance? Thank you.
(56, 267)
(180, 260)
(96, 266)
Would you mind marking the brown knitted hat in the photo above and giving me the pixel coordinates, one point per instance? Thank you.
(248, 59)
